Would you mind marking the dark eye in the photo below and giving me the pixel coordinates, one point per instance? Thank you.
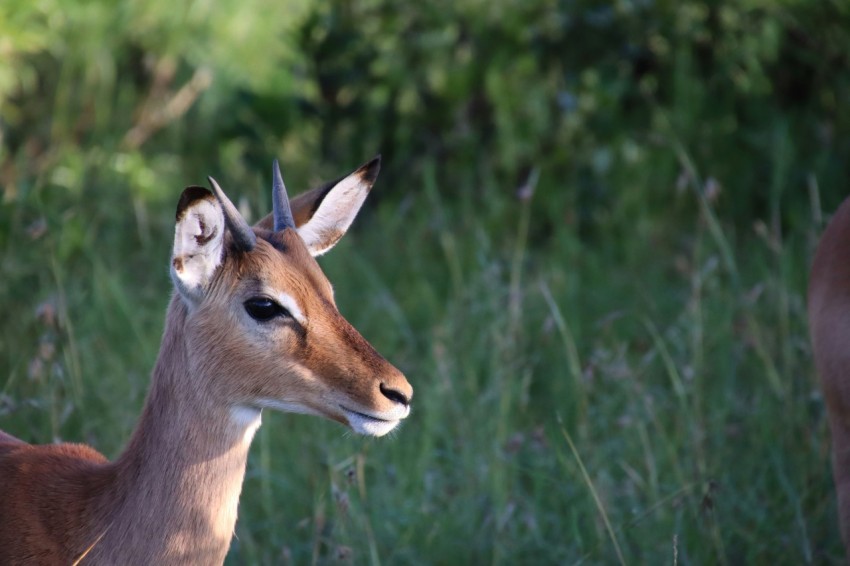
(263, 310)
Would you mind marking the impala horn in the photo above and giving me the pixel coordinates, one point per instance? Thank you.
(243, 235)
(280, 202)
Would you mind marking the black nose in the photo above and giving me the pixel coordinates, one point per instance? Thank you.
(395, 395)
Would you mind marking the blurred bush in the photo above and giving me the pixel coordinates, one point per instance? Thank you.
(149, 94)
(617, 104)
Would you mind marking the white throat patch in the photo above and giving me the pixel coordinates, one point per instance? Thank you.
(247, 419)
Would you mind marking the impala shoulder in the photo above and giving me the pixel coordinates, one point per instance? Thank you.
(68, 457)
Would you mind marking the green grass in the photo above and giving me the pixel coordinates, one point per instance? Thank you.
(603, 402)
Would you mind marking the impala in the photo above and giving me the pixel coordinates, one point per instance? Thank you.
(829, 325)
(252, 324)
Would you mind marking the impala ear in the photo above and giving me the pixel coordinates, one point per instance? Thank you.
(323, 215)
(198, 243)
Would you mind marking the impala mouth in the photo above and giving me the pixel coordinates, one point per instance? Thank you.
(371, 425)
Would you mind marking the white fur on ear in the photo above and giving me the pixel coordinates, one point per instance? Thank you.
(198, 243)
(336, 212)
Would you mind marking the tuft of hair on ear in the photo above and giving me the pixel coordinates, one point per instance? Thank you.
(369, 170)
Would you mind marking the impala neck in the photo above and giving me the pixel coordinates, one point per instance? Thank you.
(177, 484)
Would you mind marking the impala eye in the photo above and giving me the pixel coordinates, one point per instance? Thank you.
(263, 310)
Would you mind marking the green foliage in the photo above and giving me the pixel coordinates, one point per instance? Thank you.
(587, 250)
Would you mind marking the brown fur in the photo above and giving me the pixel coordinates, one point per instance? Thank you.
(829, 325)
(171, 496)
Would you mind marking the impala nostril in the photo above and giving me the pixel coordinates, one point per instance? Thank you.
(395, 395)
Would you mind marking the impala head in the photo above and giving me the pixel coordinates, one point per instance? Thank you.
(262, 325)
